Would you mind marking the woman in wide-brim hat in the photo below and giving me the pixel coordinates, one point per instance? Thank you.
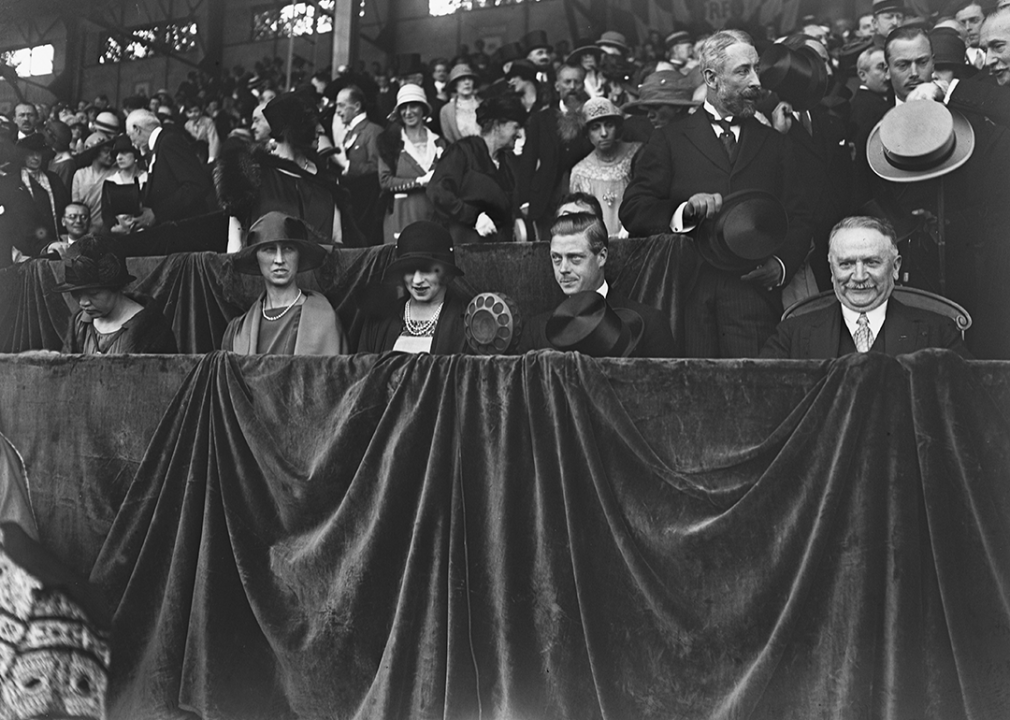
(408, 152)
(285, 319)
(110, 321)
(122, 191)
(458, 117)
(427, 315)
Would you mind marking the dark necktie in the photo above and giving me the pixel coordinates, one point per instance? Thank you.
(726, 137)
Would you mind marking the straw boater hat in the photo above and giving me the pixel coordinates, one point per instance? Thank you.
(108, 123)
(598, 108)
(664, 87)
(278, 227)
(411, 93)
(93, 263)
(419, 245)
(919, 140)
(587, 323)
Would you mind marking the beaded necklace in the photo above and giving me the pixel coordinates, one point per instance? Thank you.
(283, 312)
(420, 328)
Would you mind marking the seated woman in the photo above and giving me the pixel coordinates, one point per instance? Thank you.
(430, 318)
(605, 172)
(408, 152)
(285, 320)
(122, 191)
(109, 321)
(473, 185)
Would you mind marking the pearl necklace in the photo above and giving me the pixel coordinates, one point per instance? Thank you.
(284, 312)
(420, 328)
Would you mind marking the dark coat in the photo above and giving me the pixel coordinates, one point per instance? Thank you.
(656, 341)
(362, 179)
(467, 183)
(867, 109)
(818, 334)
(983, 97)
(178, 185)
(545, 162)
(379, 334)
(146, 332)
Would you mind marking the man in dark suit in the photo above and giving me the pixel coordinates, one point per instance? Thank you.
(178, 185)
(870, 103)
(680, 179)
(863, 255)
(579, 254)
(358, 153)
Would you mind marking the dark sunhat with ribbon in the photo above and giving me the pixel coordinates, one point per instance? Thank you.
(276, 227)
(749, 229)
(420, 245)
(586, 323)
(93, 263)
(919, 140)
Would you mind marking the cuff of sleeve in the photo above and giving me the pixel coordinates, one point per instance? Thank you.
(677, 224)
(782, 280)
(950, 90)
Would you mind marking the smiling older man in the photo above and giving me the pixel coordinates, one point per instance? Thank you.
(864, 259)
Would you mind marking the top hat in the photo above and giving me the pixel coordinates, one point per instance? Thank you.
(58, 135)
(598, 108)
(664, 87)
(586, 323)
(677, 37)
(458, 72)
(411, 93)
(582, 47)
(614, 39)
(92, 263)
(797, 76)
(749, 229)
(949, 51)
(880, 6)
(409, 64)
(492, 323)
(536, 39)
(419, 245)
(36, 142)
(919, 141)
(275, 227)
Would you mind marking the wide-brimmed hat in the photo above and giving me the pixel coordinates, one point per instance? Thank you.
(411, 93)
(586, 323)
(797, 76)
(880, 6)
(598, 108)
(492, 323)
(664, 87)
(107, 122)
(458, 72)
(524, 69)
(276, 227)
(36, 142)
(58, 135)
(614, 39)
(949, 51)
(919, 140)
(92, 263)
(583, 46)
(124, 144)
(419, 245)
(749, 229)
(536, 39)
(677, 37)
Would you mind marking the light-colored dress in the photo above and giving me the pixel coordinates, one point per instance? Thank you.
(606, 181)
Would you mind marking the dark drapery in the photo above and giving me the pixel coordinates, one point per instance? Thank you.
(550, 536)
(201, 292)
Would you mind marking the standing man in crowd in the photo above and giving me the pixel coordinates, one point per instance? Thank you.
(887, 15)
(870, 103)
(680, 179)
(970, 16)
(360, 159)
(26, 117)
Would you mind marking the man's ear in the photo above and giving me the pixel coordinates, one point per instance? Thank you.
(602, 256)
(897, 266)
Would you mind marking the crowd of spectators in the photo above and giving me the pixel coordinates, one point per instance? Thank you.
(487, 145)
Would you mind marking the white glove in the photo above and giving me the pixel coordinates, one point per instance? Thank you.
(426, 178)
(485, 226)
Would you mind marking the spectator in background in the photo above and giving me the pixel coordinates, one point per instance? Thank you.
(26, 117)
(77, 221)
(58, 135)
(459, 115)
(522, 78)
(88, 180)
(358, 153)
(120, 209)
(49, 195)
(202, 129)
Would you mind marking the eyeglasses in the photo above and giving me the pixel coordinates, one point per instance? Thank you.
(74, 217)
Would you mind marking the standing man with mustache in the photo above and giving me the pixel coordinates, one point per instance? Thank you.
(680, 179)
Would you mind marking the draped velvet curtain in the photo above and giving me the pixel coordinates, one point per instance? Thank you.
(201, 292)
(546, 536)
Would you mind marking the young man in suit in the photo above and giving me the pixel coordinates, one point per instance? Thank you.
(680, 179)
(863, 254)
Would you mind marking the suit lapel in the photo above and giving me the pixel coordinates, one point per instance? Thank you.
(751, 140)
(824, 335)
(698, 131)
(900, 331)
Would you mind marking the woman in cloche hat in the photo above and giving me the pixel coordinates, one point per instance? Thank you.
(284, 320)
(430, 318)
(459, 116)
(408, 151)
(110, 320)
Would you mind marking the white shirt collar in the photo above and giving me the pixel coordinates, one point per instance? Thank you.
(154, 137)
(603, 289)
(876, 317)
(716, 127)
(358, 119)
(898, 101)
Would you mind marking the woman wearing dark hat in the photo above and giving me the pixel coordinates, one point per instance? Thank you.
(430, 318)
(284, 320)
(408, 151)
(109, 321)
(58, 136)
(48, 193)
(459, 115)
(473, 185)
(122, 191)
(292, 179)
(522, 78)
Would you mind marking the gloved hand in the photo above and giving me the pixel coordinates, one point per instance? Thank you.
(485, 226)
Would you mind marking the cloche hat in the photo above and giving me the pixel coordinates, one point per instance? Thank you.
(275, 227)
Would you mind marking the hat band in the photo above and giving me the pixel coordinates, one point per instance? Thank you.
(923, 162)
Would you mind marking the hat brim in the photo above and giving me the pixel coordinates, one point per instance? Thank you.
(964, 145)
(574, 54)
(631, 333)
(645, 104)
(310, 255)
(70, 287)
(412, 261)
(713, 247)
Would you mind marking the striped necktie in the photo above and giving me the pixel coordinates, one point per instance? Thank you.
(863, 335)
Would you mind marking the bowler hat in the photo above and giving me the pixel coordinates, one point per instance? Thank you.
(275, 227)
(419, 245)
(582, 47)
(492, 323)
(749, 229)
(92, 263)
(36, 142)
(587, 323)
(536, 39)
(918, 141)
(797, 76)
(664, 87)
(614, 39)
